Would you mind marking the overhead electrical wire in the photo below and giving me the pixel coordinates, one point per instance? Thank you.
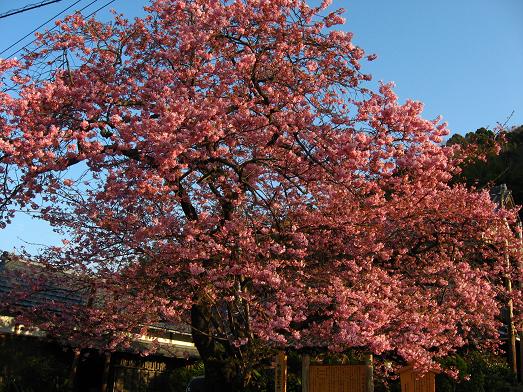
(100, 8)
(28, 8)
(35, 30)
(54, 27)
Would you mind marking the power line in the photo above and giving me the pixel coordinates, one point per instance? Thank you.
(54, 27)
(27, 8)
(101, 8)
(36, 29)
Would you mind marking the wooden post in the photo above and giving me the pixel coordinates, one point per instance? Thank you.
(280, 373)
(74, 368)
(370, 373)
(105, 376)
(305, 362)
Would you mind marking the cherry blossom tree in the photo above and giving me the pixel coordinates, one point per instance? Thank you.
(226, 164)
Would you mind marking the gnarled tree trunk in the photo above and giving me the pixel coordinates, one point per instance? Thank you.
(223, 369)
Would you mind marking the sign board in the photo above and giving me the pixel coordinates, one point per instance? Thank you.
(138, 375)
(338, 378)
(414, 382)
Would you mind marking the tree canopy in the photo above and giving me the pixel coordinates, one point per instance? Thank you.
(225, 163)
(493, 167)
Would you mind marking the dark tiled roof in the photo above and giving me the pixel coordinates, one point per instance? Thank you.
(58, 290)
(19, 275)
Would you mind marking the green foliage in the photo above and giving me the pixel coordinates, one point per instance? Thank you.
(32, 366)
(495, 169)
(179, 378)
(479, 372)
(263, 378)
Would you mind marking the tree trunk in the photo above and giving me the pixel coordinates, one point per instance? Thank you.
(223, 371)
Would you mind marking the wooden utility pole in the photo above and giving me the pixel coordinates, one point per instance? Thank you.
(519, 234)
(504, 196)
(511, 330)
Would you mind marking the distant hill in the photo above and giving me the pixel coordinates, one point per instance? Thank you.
(505, 168)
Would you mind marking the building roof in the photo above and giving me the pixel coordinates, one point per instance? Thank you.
(53, 292)
(18, 274)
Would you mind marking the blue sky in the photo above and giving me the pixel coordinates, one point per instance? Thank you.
(462, 58)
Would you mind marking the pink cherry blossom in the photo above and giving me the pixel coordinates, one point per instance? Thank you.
(228, 167)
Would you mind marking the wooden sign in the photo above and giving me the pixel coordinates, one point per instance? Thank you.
(146, 365)
(338, 378)
(136, 375)
(414, 382)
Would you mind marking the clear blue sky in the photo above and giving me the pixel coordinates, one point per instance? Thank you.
(462, 58)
